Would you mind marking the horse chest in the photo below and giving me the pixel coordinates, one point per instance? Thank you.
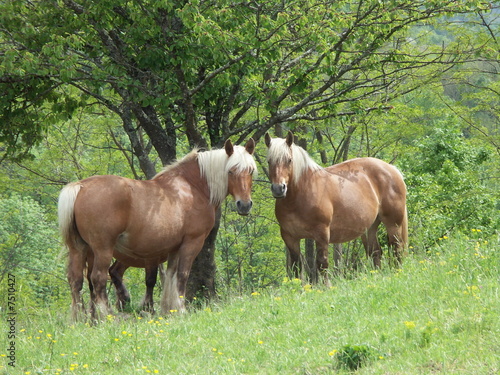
(295, 220)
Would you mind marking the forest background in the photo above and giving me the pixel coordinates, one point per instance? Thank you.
(117, 87)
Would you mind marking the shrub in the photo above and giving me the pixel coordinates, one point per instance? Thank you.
(352, 357)
(29, 248)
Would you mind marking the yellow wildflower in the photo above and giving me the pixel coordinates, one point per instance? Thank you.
(410, 325)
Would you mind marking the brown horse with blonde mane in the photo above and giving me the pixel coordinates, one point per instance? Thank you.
(163, 219)
(335, 204)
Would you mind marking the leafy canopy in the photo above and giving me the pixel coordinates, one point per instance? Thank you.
(207, 69)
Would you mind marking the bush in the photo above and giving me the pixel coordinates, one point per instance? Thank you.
(445, 190)
(30, 249)
(352, 357)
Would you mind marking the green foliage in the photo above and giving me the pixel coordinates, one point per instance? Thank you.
(208, 71)
(30, 250)
(446, 191)
(71, 150)
(250, 252)
(353, 357)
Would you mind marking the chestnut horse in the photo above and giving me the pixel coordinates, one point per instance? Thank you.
(335, 204)
(163, 219)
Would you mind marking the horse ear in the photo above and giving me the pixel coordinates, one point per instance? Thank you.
(289, 138)
(268, 139)
(250, 146)
(228, 146)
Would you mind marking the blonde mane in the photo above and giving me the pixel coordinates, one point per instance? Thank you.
(214, 167)
(279, 152)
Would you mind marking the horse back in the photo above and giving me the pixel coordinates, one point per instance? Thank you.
(374, 176)
(382, 175)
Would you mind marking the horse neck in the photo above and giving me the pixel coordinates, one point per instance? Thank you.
(301, 187)
(190, 172)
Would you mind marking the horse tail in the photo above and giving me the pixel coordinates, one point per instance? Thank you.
(66, 213)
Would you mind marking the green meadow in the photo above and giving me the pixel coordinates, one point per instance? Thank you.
(438, 313)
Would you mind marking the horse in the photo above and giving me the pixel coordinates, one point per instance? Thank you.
(335, 204)
(163, 219)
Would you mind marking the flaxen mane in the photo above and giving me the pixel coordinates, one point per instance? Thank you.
(215, 166)
(279, 152)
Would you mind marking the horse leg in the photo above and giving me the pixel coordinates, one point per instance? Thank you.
(293, 247)
(116, 272)
(76, 265)
(163, 274)
(396, 240)
(170, 300)
(99, 278)
(322, 262)
(322, 242)
(90, 266)
(151, 275)
(178, 269)
(310, 261)
(371, 244)
(397, 233)
(337, 256)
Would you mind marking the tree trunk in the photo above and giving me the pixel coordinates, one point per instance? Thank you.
(343, 153)
(312, 271)
(201, 283)
(319, 137)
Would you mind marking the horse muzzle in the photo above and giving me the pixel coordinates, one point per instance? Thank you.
(244, 207)
(278, 190)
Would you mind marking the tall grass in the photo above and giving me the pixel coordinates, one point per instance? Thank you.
(438, 313)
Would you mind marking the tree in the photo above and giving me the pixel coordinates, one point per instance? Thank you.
(208, 70)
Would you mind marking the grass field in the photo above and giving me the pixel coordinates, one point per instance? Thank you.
(439, 313)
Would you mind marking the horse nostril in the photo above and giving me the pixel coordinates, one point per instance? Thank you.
(244, 207)
(279, 190)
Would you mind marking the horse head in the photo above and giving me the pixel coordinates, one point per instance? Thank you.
(240, 169)
(280, 159)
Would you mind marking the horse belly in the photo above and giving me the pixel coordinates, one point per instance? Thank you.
(147, 244)
(347, 225)
(341, 235)
(300, 226)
